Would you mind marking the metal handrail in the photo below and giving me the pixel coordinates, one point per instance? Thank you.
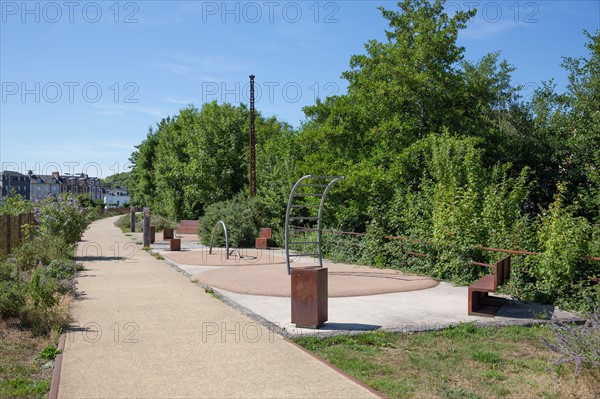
(212, 238)
(290, 205)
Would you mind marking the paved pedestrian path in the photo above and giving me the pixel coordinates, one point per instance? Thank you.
(141, 329)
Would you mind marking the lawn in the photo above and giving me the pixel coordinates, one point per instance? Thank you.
(459, 362)
(22, 371)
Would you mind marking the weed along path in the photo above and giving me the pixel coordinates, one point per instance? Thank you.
(140, 329)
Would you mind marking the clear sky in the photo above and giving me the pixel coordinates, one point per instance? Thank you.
(82, 81)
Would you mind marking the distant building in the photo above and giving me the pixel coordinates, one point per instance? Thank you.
(34, 187)
(15, 181)
(82, 184)
(43, 186)
(116, 197)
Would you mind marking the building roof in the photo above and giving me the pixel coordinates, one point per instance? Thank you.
(12, 173)
(45, 179)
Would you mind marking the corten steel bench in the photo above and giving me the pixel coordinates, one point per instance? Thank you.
(479, 301)
(262, 242)
(187, 227)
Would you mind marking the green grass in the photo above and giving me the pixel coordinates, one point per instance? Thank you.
(212, 293)
(21, 371)
(458, 362)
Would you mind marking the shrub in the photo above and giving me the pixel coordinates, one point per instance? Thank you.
(563, 239)
(42, 290)
(162, 222)
(242, 216)
(578, 344)
(124, 222)
(12, 291)
(62, 217)
(42, 249)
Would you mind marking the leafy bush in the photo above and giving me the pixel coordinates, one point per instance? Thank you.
(42, 268)
(62, 217)
(42, 249)
(578, 344)
(124, 222)
(161, 222)
(12, 291)
(242, 216)
(49, 353)
(14, 204)
(563, 239)
(43, 292)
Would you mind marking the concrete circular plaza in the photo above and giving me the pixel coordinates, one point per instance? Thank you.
(263, 272)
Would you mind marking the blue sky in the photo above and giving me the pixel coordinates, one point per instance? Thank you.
(82, 81)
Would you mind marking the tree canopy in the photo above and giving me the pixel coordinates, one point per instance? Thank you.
(434, 147)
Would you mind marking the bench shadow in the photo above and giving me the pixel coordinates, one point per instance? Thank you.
(100, 258)
(521, 310)
(514, 309)
(380, 275)
(328, 326)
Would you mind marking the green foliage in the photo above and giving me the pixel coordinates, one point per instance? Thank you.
(49, 353)
(435, 148)
(124, 222)
(41, 269)
(12, 290)
(14, 204)
(42, 249)
(563, 239)
(198, 158)
(24, 388)
(242, 217)
(162, 222)
(62, 217)
(578, 344)
(120, 179)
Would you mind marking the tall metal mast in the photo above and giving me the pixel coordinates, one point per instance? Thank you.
(252, 141)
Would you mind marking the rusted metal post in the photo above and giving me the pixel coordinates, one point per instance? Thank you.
(309, 296)
(132, 219)
(175, 244)
(252, 182)
(168, 233)
(147, 215)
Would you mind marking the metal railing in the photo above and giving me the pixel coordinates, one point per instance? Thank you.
(212, 239)
(289, 230)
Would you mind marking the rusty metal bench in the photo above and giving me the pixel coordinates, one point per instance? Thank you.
(187, 227)
(262, 242)
(480, 304)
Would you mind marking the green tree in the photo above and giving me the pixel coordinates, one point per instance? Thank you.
(120, 179)
(200, 157)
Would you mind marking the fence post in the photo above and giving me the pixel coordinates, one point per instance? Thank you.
(7, 228)
(132, 219)
(147, 214)
(8, 221)
(19, 227)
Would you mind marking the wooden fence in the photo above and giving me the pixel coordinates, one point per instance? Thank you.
(11, 231)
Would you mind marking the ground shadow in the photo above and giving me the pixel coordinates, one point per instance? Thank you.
(521, 310)
(348, 327)
(99, 258)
